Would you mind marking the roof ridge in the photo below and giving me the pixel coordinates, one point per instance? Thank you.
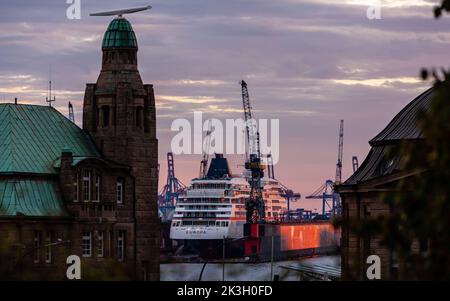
(400, 118)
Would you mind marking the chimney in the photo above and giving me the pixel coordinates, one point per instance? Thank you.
(15, 100)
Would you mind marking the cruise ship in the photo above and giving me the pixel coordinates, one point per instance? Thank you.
(213, 207)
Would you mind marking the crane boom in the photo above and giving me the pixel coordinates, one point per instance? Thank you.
(355, 163)
(338, 178)
(251, 131)
(254, 205)
(205, 148)
(71, 114)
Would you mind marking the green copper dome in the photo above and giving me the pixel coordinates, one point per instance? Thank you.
(119, 34)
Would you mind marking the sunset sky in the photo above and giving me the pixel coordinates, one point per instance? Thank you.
(309, 63)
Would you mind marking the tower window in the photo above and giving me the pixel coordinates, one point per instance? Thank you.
(119, 190)
(105, 113)
(139, 116)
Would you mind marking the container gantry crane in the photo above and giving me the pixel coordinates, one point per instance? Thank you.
(254, 205)
(169, 194)
(286, 193)
(326, 194)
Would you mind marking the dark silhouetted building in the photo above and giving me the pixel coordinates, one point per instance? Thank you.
(90, 192)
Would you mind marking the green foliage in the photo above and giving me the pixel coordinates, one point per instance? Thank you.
(418, 228)
(444, 7)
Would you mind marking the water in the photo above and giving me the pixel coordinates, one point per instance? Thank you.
(240, 271)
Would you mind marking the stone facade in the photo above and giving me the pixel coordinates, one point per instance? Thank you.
(109, 215)
(119, 114)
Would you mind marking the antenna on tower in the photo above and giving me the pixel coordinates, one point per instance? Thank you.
(49, 98)
(121, 12)
(71, 114)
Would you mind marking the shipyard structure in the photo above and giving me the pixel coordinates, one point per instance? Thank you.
(90, 192)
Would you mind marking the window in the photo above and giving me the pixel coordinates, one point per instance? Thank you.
(119, 189)
(110, 243)
(105, 111)
(75, 188)
(139, 116)
(48, 249)
(97, 188)
(100, 244)
(87, 185)
(86, 244)
(37, 245)
(121, 245)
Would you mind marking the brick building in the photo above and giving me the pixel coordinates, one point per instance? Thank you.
(362, 193)
(91, 192)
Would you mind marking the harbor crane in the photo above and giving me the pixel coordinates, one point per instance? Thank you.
(338, 179)
(270, 169)
(290, 196)
(286, 193)
(168, 197)
(254, 205)
(326, 194)
(355, 163)
(205, 149)
(71, 114)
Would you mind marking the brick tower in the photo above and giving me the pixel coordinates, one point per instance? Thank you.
(119, 114)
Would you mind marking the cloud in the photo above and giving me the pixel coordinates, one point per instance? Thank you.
(309, 63)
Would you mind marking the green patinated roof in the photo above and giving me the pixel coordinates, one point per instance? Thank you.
(33, 137)
(30, 198)
(119, 34)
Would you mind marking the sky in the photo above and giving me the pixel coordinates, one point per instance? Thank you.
(309, 63)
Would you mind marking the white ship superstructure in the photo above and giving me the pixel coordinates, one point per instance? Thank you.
(213, 207)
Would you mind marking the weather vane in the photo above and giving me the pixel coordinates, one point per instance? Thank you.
(121, 12)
